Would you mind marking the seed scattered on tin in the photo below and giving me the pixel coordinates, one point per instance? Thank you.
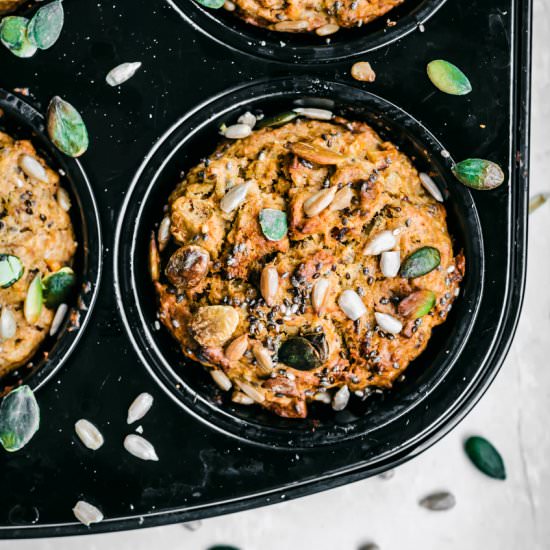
(90, 436)
(66, 128)
(438, 502)
(363, 72)
(448, 77)
(247, 118)
(537, 201)
(341, 399)
(311, 112)
(139, 407)
(480, 174)
(236, 131)
(122, 73)
(87, 513)
(13, 34)
(429, 184)
(46, 24)
(140, 447)
(19, 418)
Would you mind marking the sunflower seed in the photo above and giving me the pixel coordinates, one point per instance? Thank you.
(311, 112)
(326, 30)
(229, 6)
(237, 131)
(154, 259)
(430, 186)
(341, 399)
(221, 379)
(195, 525)
(390, 261)
(537, 201)
(263, 357)
(382, 242)
(388, 474)
(140, 447)
(351, 304)
(234, 197)
(60, 313)
(236, 349)
(251, 391)
(8, 325)
(342, 199)
(139, 407)
(33, 168)
(121, 73)
(242, 398)
(86, 513)
(163, 235)
(269, 284)
(319, 294)
(388, 323)
(322, 397)
(320, 200)
(63, 199)
(438, 502)
(89, 435)
(369, 546)
(291, 26)
(363, 72)
(248, 118)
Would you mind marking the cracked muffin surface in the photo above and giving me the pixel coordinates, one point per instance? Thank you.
(304, 263)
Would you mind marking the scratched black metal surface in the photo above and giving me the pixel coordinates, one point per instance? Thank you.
(181, 68)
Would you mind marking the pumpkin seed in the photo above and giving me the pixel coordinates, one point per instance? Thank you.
(89, 435)
(122, 73)
(87, 513)
(33, 300)
(438, 502)
(479, 174)
(382, 242)
(485, 457)
(420, 262)
(311, 112)
(140, 407)
(430, 186)
(319, 201)
(388, 323)
(390, 261)
(298, 352)
(46, 24)
(277, 120)
(11, 270)
(58, 286)
(66, 128)
(234, 197)
(236, 349)
(60, 313)
(13, 34)
(352, 305)
(319, 294)
(417, 304)
(537, 201)
(140, 447)
(273, 223)
(8, 325)
(448, 78)
(19, 418)
(221, 379)
(33, 168)
(341, 399)
(214, 4)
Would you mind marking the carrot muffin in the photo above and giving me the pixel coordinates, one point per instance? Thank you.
(303, 262)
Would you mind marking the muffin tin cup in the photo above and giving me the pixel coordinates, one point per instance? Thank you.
(22, 121)
(188, 384)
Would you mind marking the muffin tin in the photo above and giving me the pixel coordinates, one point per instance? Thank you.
(213, 458)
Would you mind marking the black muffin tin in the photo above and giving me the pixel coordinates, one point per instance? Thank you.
(215, 458)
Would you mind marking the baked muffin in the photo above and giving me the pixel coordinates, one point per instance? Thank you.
(305, 262)
(7, 6)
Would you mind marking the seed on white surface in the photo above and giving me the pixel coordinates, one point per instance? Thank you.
(312, 112)
(319, 294)
(140, 447)
(248, 118)
(351, 304)
(194, 525)
(388, 323)
(63, 199)
(163, 235)
(385, 240)
(89, 435)
(33, 168)
(237, 131)
(234, 197)
(430, 186)
(251, 391)
(388, 474)
(317, 202)
(87, 513)
(8, 325)
(60, 313)
(121, 73)
(326, 30)
(438, 502)
(390, 262)
(269, 284)
(340, 399)
(221, 379)
(242, 398)
(139, 407)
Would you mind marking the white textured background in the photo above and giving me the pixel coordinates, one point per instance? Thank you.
(490, 515)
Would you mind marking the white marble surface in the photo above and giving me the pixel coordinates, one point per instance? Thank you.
(489, 515)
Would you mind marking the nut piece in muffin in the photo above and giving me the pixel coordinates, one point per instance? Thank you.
(305, 262)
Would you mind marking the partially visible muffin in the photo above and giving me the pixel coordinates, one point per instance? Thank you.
(7, 6)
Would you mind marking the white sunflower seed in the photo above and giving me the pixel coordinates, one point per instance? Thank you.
(263, 357)
(438, 502)
(197, 524)
(325, 30)
(236, 349)
(390, 262)
(87, 513)
(319, 294)
(139, 407)
(342, 199)
(430, 186)
(163, 235)
(351, 304)
(8, 325)
(60, 313)
(385, 240)
(33, 168)
(312, 112)
(229, 6)
(269, 284)
(63, 199)
(221, 379)
(234, 197)
(340, 399)
(140, 447)
(251, 391)
(388, 323)
(89, 435)
(237, 131)
(291, 26)
(242, 398)
(248, 118)
(121, 73)
(317, 202)
(323, 397)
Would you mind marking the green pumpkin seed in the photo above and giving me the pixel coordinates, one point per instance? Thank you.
(58, 286)
(45, 26)
(299, 353)
(11, 270)
(479, 174)
(273, 223)
(485, 457)
(19, 418)
(319, 342)
(33, 300)
(277, 120)
(537, 201)
(13, 34)
(214, 4)
(417, 304)
(66, 128)
(448, 77)
(420, 262)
